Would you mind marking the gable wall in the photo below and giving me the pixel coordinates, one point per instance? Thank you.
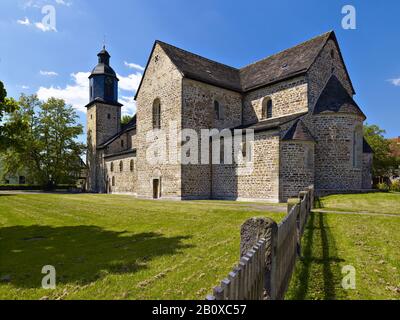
(321, 71)
(162, 80)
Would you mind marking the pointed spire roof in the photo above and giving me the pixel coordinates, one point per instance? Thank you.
(335, 99)
(298, 131)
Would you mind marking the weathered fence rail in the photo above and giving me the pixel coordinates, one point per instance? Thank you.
(268, 254)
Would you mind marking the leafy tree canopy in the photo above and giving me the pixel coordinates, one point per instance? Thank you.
(125, 119)
(47, 146)
(384, 162)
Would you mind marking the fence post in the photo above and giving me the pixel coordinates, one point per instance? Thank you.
(252, 231)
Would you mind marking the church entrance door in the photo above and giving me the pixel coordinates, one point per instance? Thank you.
(156, 188)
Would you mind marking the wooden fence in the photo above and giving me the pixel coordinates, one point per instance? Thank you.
(268, 255)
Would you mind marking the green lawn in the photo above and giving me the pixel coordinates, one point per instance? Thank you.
(388, 203)
(369, 243)
(117, 247)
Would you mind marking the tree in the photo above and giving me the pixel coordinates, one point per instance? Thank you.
(7, 106)
(125, 119)
(47, 147)
(384, 163)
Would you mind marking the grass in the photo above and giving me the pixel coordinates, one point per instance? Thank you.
(386, 203)
(117, 247)
(368, 243)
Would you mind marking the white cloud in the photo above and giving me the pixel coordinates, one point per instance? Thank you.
(48, 73)
(77, 94)
(64, 3)
(25, 87)
(131, 82)
(395, 82)
(40, 3)
(129, 107)
(24, 22)
(134, 66)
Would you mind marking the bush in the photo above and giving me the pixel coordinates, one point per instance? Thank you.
(383, 187)
(395, 186)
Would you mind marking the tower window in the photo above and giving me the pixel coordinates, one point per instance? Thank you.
(121, 166)
(266, 108)
(132, 165)
(112, 167)
(122, 143)
(113, 181)
(332, 54)
(109, 116)
(157, 114)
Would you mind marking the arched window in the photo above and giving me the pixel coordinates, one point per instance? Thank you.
(157, 114)
(132, 165)
(122, 143)
(113, 181)
(266, 108)
(112, 167)
(218, 111)
(121, 166)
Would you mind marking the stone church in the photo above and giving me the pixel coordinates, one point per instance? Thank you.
(299, 103)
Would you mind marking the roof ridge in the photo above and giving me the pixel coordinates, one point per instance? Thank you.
(287, 49)
(197, 55)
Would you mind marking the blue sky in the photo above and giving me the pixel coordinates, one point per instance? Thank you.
(34, 59)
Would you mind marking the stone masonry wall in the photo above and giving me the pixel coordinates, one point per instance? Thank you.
(287, 97)
(161, 81)
(260, 183)
(103, 121)
(125, 180)
(297, 168)
(321, 71)
(334, 168)
(198, 113)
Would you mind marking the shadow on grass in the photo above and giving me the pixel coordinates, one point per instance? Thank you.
(80, 254)
(319, 254)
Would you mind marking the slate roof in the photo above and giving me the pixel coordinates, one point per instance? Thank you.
(101, 100)
(298, 131)
(102, 67)
(335, 98)
(270, 124)
(288, 63)
(196, 67)
(278, 67)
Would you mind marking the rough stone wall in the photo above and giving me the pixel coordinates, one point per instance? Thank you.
(321, 71)
(163, 81)
(100, 127)
(297, 168)
(287, 97)
(128, 139)
(367, 171)
(198, 113)
(334, 134)
(125, 180)
(261, 183)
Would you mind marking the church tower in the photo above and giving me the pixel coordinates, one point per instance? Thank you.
(103, 118)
